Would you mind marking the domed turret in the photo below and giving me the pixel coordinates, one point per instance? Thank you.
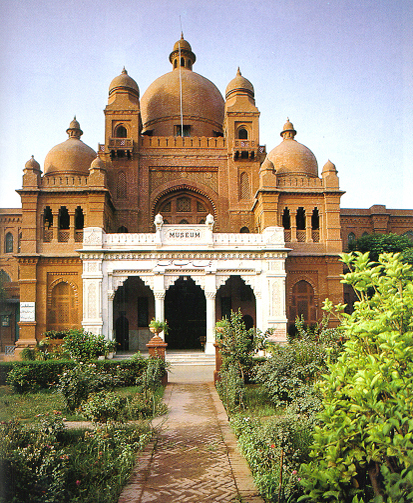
(185, 93)
(123, 81)
(291, 157)
(239, 85)
(72, 156)
(32, 164)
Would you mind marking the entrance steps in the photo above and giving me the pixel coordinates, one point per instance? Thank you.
(178, 357)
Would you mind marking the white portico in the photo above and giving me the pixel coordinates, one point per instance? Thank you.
(174, 251)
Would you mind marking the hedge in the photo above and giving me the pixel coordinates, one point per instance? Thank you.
(43, 374)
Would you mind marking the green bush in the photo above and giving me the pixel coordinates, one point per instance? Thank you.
(104, 406)
(363, 447)
(45, 463)
(78, 383)
(274, 450)
(83, 346)
(34, 375)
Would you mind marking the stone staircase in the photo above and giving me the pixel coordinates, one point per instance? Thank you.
(178, 357)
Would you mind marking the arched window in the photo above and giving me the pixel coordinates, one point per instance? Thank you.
(121, 132)
(121, 186)
(242, 134)
(303, 303)
(286, 219)
(315, 220)
(245, 192)
(63, 312)
(122, 230)
(9, 243)
(351, 238)
(183, 205)
(64, 218)
(79, 218)
(183, 221)
(300, 219)
(244, 230)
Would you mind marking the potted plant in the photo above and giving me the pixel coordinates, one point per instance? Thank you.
(157, 326)
(111, 349)
(220, 325)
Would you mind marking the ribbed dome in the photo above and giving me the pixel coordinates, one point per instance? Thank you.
(72, 156)
(182, 44)
(239, 84)
(123, 81)
(291, 157)
(201, 101)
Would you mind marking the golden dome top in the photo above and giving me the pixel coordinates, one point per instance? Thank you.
(72, 156)
(123, 81)
(182, 55)
(291, 157)
(239, 85)
(182, 44)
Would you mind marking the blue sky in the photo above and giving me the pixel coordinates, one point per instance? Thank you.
(341, 70)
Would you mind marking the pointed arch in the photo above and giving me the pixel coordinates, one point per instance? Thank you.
(62, 306)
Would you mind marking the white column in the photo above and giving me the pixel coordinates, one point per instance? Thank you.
(111, 296)
(210, 323)
(160, 308)
(260, 318)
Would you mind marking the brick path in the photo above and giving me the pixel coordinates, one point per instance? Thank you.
(194, 457)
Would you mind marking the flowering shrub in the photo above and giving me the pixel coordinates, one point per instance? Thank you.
(32, 376)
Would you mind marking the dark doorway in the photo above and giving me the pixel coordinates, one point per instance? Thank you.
(185, 311)
(122, 332)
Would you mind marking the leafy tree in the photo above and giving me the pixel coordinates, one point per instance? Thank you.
(363, 447)
(376, 244)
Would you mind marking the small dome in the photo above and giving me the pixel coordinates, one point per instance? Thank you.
(291, 157)
(32, 164)
(329, 167)
(239, 84)
(182, 44)
(72, 156)
(98, 164)
(123, 81)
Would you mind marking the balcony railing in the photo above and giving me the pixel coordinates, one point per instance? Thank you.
(120, 143)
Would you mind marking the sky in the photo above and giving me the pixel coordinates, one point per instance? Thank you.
(341, 70)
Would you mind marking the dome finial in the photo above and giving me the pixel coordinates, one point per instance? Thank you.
(74, 130)
(182, 35)
(288, 131)
(182, 55)
(239, 72)
(124, 71)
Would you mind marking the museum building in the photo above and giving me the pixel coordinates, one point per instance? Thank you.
(180, 214)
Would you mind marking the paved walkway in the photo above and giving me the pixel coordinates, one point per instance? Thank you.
(194, 457)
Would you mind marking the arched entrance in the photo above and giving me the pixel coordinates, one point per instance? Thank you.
(236, 294)
(185, 312)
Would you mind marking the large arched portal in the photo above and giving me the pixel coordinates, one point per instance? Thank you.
(236, 294)
(133, 308)
(185, 312)
(184, 207)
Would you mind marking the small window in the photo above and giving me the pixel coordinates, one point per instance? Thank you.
(122, 230)
(244, 230)
(186, 130)
(351, 238)
(243, 134)
(48, 218)
(183, 204)
(9, 242)
(183, 221)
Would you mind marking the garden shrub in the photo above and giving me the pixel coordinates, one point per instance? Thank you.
(78, 383)
(47, 464)
(84, 346)
(274, 450)
(35, 375)
(363, 448)
(104, 406)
